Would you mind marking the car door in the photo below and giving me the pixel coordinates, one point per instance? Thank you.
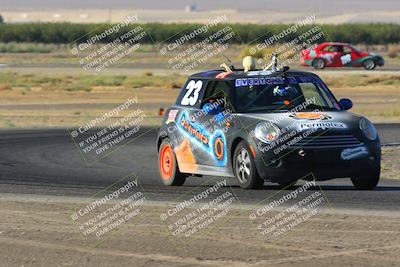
(186, 134)
(330, 56)
(214, 121)
(337, 56)
(347, 56)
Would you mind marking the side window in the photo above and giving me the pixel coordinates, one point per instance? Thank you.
(347, 50)
(339, 48)
(217, 90)
(191, 93)
(334, 48)
(327, 49)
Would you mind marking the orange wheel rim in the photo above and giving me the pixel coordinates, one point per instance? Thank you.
(166, 162)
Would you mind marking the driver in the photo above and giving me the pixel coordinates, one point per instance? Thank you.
(283, 94)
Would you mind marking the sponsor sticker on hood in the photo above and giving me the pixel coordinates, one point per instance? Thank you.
(323, 125)
(316, 120)
(310, 116)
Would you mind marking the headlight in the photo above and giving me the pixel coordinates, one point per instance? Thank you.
(368, 129)
(267, 132)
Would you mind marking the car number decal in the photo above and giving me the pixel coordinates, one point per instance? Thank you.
(193, 89)
(345, 59)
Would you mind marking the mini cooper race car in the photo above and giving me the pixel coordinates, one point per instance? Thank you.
(265, 125)
(339, 55)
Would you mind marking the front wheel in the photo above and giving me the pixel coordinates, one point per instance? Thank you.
(369, 64)
(318, 63)
(167, 165)
(245, 168)
(367, 182)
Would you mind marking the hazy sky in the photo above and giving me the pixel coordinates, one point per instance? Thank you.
(323, 6)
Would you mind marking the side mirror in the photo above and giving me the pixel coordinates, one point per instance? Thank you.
(345, 103)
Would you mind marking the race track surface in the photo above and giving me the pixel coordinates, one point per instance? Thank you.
(47, 162)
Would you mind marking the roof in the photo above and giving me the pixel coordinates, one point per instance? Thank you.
(236, 74)
(333, 43)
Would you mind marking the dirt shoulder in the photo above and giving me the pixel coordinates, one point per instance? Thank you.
(390, 168)
(41, 233)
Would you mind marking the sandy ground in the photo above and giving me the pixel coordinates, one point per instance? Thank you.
(40, 232)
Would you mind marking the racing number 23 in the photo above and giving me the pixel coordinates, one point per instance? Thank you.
(193, 89)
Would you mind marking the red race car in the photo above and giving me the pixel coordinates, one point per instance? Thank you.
(339, 55)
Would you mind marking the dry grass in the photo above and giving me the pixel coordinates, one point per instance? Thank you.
(87, 83)
(39, 100)
(390, 168)
(376, 97)
(393, 51)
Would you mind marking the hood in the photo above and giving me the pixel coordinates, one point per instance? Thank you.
(331, 122)
(365, 54)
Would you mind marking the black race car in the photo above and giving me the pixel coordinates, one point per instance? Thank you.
(265, 125)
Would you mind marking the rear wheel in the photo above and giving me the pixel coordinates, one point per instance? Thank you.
(167, 165)
(366, 182)
(318, 63)
(245, 168)
(369, 64)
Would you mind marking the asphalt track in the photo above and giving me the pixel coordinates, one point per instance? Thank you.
(47, 162)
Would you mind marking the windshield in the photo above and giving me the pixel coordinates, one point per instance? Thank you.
(277, 93)
(355, 49)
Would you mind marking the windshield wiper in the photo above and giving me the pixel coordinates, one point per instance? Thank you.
(314, 106)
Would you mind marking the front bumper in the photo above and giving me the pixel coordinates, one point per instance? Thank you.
(319, 163)
(380, 62)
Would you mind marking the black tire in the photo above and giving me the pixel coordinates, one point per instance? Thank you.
(369, 64)
(366, 182)
(318, 63)
(175, 177)
(245, 169)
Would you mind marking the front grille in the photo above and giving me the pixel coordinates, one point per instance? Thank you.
(328, 141)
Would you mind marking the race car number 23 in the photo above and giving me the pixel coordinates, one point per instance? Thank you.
(193, 89)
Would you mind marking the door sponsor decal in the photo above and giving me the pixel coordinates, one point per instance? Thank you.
(346, 59)
(214, 143)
